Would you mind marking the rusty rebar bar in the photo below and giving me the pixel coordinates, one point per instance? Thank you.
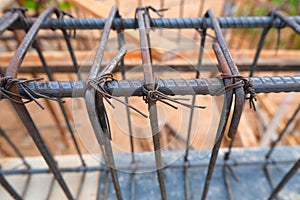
(25, 117)
(121, 88)
(94, 102)
(143, 21)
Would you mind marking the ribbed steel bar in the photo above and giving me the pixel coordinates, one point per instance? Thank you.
(286, 20)
(104, 123)
(168, 23)
(144, 25)
(202, 86)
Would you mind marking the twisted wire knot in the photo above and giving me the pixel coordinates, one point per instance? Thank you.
(7, 82)
(98, 84)
(156, 95)
(247, 85)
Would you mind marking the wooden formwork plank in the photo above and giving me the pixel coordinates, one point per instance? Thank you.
(133, 57)
(101, 10)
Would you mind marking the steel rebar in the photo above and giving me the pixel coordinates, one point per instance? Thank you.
(202, 86)
(100, 129)
(223, 68)
(25, 117)
(143, 19)
(168, 23)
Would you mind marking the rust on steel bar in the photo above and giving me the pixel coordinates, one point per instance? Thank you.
(100, 127)
(9, 18)
(23, 113)
(223, 68)
(286, 20)
(238, 92)
(150, 85)
(121, 88)
(104, 123)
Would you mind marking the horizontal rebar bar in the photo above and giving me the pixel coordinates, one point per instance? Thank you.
(203, 86)
(169, 23)
(192, 164)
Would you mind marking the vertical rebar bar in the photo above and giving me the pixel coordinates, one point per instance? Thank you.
(150, 85)
(258, 50)
(223, 68)
(94, 100)
(121, 43)
(198, 69)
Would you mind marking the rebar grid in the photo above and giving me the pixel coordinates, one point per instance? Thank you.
(102, 87)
